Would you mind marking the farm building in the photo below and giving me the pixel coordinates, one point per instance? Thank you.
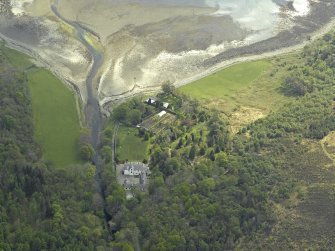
(161, 114)
(151, 101)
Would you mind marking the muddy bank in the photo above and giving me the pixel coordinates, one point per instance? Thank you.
(142, 57)
(51, 44)
(145, 44)
(179, 48)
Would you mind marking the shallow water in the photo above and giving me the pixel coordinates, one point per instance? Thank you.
(260, 16)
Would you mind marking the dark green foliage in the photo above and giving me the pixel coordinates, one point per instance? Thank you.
(41, 208)
(86, 152)
(317, 73)
(132, 112)
(201, 195)
(209, 189)
(168, 88)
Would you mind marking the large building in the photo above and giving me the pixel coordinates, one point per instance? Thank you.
(134, 168)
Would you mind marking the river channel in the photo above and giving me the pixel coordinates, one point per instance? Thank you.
(93, 117)
(92, 108)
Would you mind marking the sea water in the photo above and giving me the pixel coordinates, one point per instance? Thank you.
(260, 17)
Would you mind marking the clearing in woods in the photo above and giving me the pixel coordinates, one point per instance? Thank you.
(56, 119)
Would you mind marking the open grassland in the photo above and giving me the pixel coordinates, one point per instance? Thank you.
(129, 146)
(250, 84)
(55, 118)
(227, 81)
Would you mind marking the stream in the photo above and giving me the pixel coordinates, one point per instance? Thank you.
(93, 117)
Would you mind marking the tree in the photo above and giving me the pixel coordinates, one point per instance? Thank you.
(120, 113)
(106, 153)
(192, 153)
(57, 214)
(134, 117)
(168, 88)
(86, 152)
(202, 151)
(295, 86)
(212, 155)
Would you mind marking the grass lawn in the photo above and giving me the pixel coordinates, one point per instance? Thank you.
(130, 146)
(55, 118)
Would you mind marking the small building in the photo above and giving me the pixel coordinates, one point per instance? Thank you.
(166, 105)
(161, 114)
(151, 101)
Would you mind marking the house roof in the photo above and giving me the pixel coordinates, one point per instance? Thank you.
(166, 105)
(137, 166)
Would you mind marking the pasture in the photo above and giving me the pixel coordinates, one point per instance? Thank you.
(250, 84)
(55, 116)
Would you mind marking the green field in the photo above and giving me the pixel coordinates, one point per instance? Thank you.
(129, 146)
(55, 118)
(246, 84)
(226, 82)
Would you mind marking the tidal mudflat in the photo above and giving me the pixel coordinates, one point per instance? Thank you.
(146, 43)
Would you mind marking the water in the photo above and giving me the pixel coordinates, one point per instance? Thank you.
(92, 108)
(261, 17)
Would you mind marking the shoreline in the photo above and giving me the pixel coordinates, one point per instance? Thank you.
(252, 57)
(306, 29)
(319, 21)
(104, 103)
(40, 62)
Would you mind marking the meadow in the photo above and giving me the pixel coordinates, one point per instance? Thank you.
(249, 84)
(56, 120)
(55, 115)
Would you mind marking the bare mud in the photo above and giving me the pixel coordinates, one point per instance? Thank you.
(145, 44)
(51, 44)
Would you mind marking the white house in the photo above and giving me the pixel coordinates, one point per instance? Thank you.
(166, 105)
(134, 168)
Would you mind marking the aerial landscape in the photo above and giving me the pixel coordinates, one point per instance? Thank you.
(167, 125)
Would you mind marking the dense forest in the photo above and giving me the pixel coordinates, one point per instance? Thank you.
(41, 207)
(209, 189)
